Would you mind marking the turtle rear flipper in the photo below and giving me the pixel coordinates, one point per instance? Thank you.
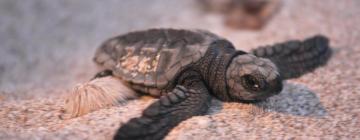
(295, 58)
(160, 117)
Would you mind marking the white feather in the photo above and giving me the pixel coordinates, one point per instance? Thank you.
(97, 94)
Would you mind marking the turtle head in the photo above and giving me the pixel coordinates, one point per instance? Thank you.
(250, 78)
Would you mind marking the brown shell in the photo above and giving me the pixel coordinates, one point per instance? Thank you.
(153, 57)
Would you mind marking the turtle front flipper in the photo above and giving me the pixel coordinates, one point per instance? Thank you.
(163, 115)
(295, 58)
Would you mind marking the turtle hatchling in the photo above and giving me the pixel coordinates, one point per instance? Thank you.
(185, 69)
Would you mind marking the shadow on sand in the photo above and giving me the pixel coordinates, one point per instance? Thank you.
(295, 99)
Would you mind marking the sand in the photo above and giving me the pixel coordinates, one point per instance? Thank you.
(47, 48)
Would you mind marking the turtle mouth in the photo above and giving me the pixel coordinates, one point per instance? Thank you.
(276, 85)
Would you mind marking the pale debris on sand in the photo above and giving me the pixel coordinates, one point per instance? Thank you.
(96, 94)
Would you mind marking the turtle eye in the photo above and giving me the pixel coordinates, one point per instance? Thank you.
(251, 82)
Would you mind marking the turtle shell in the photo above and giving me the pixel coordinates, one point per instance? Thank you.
(153, 57)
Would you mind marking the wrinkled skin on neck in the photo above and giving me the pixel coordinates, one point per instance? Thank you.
(250, 78)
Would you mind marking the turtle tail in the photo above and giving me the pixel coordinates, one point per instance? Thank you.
(295, 58)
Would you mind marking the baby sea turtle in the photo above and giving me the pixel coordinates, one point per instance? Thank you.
(186, 68)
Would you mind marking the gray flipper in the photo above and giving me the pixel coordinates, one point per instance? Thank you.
(163, 115)
(295, 58)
